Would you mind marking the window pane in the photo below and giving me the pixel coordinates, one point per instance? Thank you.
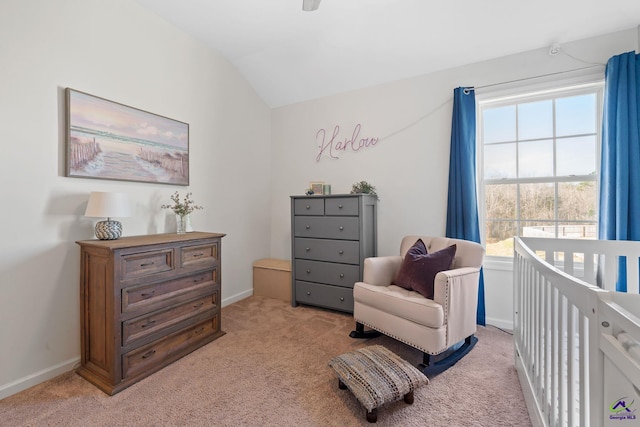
(499, 237)
(500, 201)
(576, 115)
(499, 124)
(572, 230)
(577, 201)
(538, 229)
(500, 161)
(535, 120)
(576, 156)
(537, 201)
(535, 159)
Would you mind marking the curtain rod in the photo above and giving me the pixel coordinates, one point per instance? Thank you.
(469, 89)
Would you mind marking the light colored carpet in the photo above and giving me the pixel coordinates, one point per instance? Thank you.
(271, 368)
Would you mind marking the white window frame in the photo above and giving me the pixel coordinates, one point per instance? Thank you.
(568, 87)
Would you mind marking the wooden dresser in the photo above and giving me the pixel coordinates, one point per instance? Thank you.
(146, 301)
(331, 237)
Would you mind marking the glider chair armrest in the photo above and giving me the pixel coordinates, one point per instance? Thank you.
(457, 291)
(380, 271)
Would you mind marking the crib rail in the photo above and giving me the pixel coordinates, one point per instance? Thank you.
(597, 262)
(555, 320)
(573, 367)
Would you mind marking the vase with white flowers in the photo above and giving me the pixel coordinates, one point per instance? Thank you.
(182, 209)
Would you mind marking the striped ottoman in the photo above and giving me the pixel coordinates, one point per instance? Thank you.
(377, 376)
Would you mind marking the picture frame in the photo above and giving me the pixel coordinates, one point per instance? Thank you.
(109, 140)
(317, 187)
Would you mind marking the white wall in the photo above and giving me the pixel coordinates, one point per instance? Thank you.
(117, 50)
(409, 166)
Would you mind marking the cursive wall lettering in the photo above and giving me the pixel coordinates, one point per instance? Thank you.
(333, 145)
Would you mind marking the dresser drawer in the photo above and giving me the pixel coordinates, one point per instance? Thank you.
(144, 326)
(334, 297)
(343, 251)
(199, 256)
(146, 263)
(148, 297)
(341, 206)
(172, 347)
(327, 227)
(345, 275)
(308, 206)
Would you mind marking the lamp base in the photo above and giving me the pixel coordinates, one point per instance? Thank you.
(108, 230)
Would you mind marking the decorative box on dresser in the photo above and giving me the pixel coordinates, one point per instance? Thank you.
(146, 301)
(331, 236)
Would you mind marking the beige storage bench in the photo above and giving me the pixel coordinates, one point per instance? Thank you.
(272, 278)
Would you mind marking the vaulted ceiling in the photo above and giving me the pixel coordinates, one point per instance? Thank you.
(289, 55)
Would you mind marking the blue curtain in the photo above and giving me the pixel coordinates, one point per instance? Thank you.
(462, 207)
(619, 215)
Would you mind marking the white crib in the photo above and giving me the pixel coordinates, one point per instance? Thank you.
(577, 344)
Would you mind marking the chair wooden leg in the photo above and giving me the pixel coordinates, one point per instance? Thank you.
(361, 333)
(408, 398)
(426, 359)
(372, 415)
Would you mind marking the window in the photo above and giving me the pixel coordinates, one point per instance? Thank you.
(538, 165)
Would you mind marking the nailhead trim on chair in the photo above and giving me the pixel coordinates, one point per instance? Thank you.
(401, 340)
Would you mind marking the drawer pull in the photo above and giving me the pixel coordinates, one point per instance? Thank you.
(307, 249)
(341, 252)
(148, 354)
(339, 206)
(147, 295)
(341, 228)
(342, 275)
(149, 323)
(198, 280)
(341, 298)
(308, 226)
(147, 264)
(308, 207)
(308, 292)
(198, 255)
(198, 305)
(308, 271)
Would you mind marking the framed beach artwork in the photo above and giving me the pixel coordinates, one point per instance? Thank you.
(108, 140)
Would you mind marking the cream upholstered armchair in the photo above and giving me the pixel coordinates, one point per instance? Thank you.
(430, 325)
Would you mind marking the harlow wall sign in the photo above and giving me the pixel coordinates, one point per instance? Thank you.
(331, 146)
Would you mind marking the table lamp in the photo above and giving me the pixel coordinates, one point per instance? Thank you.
(103, 204)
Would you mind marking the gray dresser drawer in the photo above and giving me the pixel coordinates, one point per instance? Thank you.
(344, 251)
(341, 206)
(308, 207)
(326, 227)
(334, 297)
(345, 275)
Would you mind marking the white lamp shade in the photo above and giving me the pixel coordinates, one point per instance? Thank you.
(103, 204)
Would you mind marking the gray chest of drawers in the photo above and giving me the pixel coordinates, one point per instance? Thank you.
(330, 237)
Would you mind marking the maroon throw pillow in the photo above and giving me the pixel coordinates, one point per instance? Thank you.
(414, 251)
(418, 271)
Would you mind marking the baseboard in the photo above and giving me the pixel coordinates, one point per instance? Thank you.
(237, 297)
(500, 323)
(24, 383)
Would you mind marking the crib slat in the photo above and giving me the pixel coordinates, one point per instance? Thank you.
(568, 262)
(589, 272)
(610, 272)
(632, 274)
(553, 387)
